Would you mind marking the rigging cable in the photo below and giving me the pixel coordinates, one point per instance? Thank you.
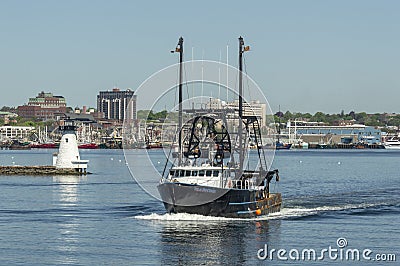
(186, 83)
(177, 86)
(247, 77)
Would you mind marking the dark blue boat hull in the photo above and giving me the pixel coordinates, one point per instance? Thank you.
(210, 201)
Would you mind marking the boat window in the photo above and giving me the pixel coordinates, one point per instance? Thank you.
(182, 173)
(66, 139)
(194, 173)
(188, 173)
(208, 173)
(172, 172)
(176, 173)
(201, 173)
(215, 173)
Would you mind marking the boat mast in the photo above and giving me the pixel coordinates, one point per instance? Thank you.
(240, 129)
(279, 124)
(179, 48)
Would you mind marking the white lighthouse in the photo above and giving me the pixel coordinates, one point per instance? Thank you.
(68, 153)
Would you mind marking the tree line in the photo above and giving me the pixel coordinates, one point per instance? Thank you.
(376, 119)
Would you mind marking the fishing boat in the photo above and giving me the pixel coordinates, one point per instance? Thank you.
(19, 145)
(280, 145)
(210, 173)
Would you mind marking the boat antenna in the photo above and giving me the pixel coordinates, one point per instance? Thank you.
(219, 75)
(192, 74)
(179, 49)
(227, 74)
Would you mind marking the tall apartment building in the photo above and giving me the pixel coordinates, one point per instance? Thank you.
(114, 104)
(45, 106)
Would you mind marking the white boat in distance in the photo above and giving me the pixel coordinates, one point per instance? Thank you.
(393, 143)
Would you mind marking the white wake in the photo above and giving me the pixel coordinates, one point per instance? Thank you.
(285, 213)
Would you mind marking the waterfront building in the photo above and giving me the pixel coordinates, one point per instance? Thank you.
(7, 114)
(314, 133)
(45, 106)
(370, 135)
(15, 132)
(89, 111)
(115, 104)
(253, 108)
(343, 122)
(215, 104)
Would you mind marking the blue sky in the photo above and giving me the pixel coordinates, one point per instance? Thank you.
(307, 56)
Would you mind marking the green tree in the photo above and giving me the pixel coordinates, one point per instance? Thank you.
(7, 109)
(352, 114)
(394, 121)
(30, 124)
(318, 117)
(162, 115)
(288, 115)
(142, 114)
(361, 117)
(157, 116)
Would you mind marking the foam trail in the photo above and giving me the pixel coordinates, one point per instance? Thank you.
(285, 213)
(181, 217)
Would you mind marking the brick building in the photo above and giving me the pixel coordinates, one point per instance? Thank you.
(45, 106)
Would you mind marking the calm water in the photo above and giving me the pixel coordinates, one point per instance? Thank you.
(106, 218)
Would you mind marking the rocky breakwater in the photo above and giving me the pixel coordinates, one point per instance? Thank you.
(38, 170)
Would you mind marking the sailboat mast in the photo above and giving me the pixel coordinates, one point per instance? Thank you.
(180, 50)
(279, 123)
(240, 129)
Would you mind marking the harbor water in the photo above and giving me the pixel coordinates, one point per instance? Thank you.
(332, 199)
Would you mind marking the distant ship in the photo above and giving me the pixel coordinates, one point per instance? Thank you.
(393, 143)
(52, 145)
(154, 145)
(209, 175)
(279, 145)
(88, 146)
(49, 145)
